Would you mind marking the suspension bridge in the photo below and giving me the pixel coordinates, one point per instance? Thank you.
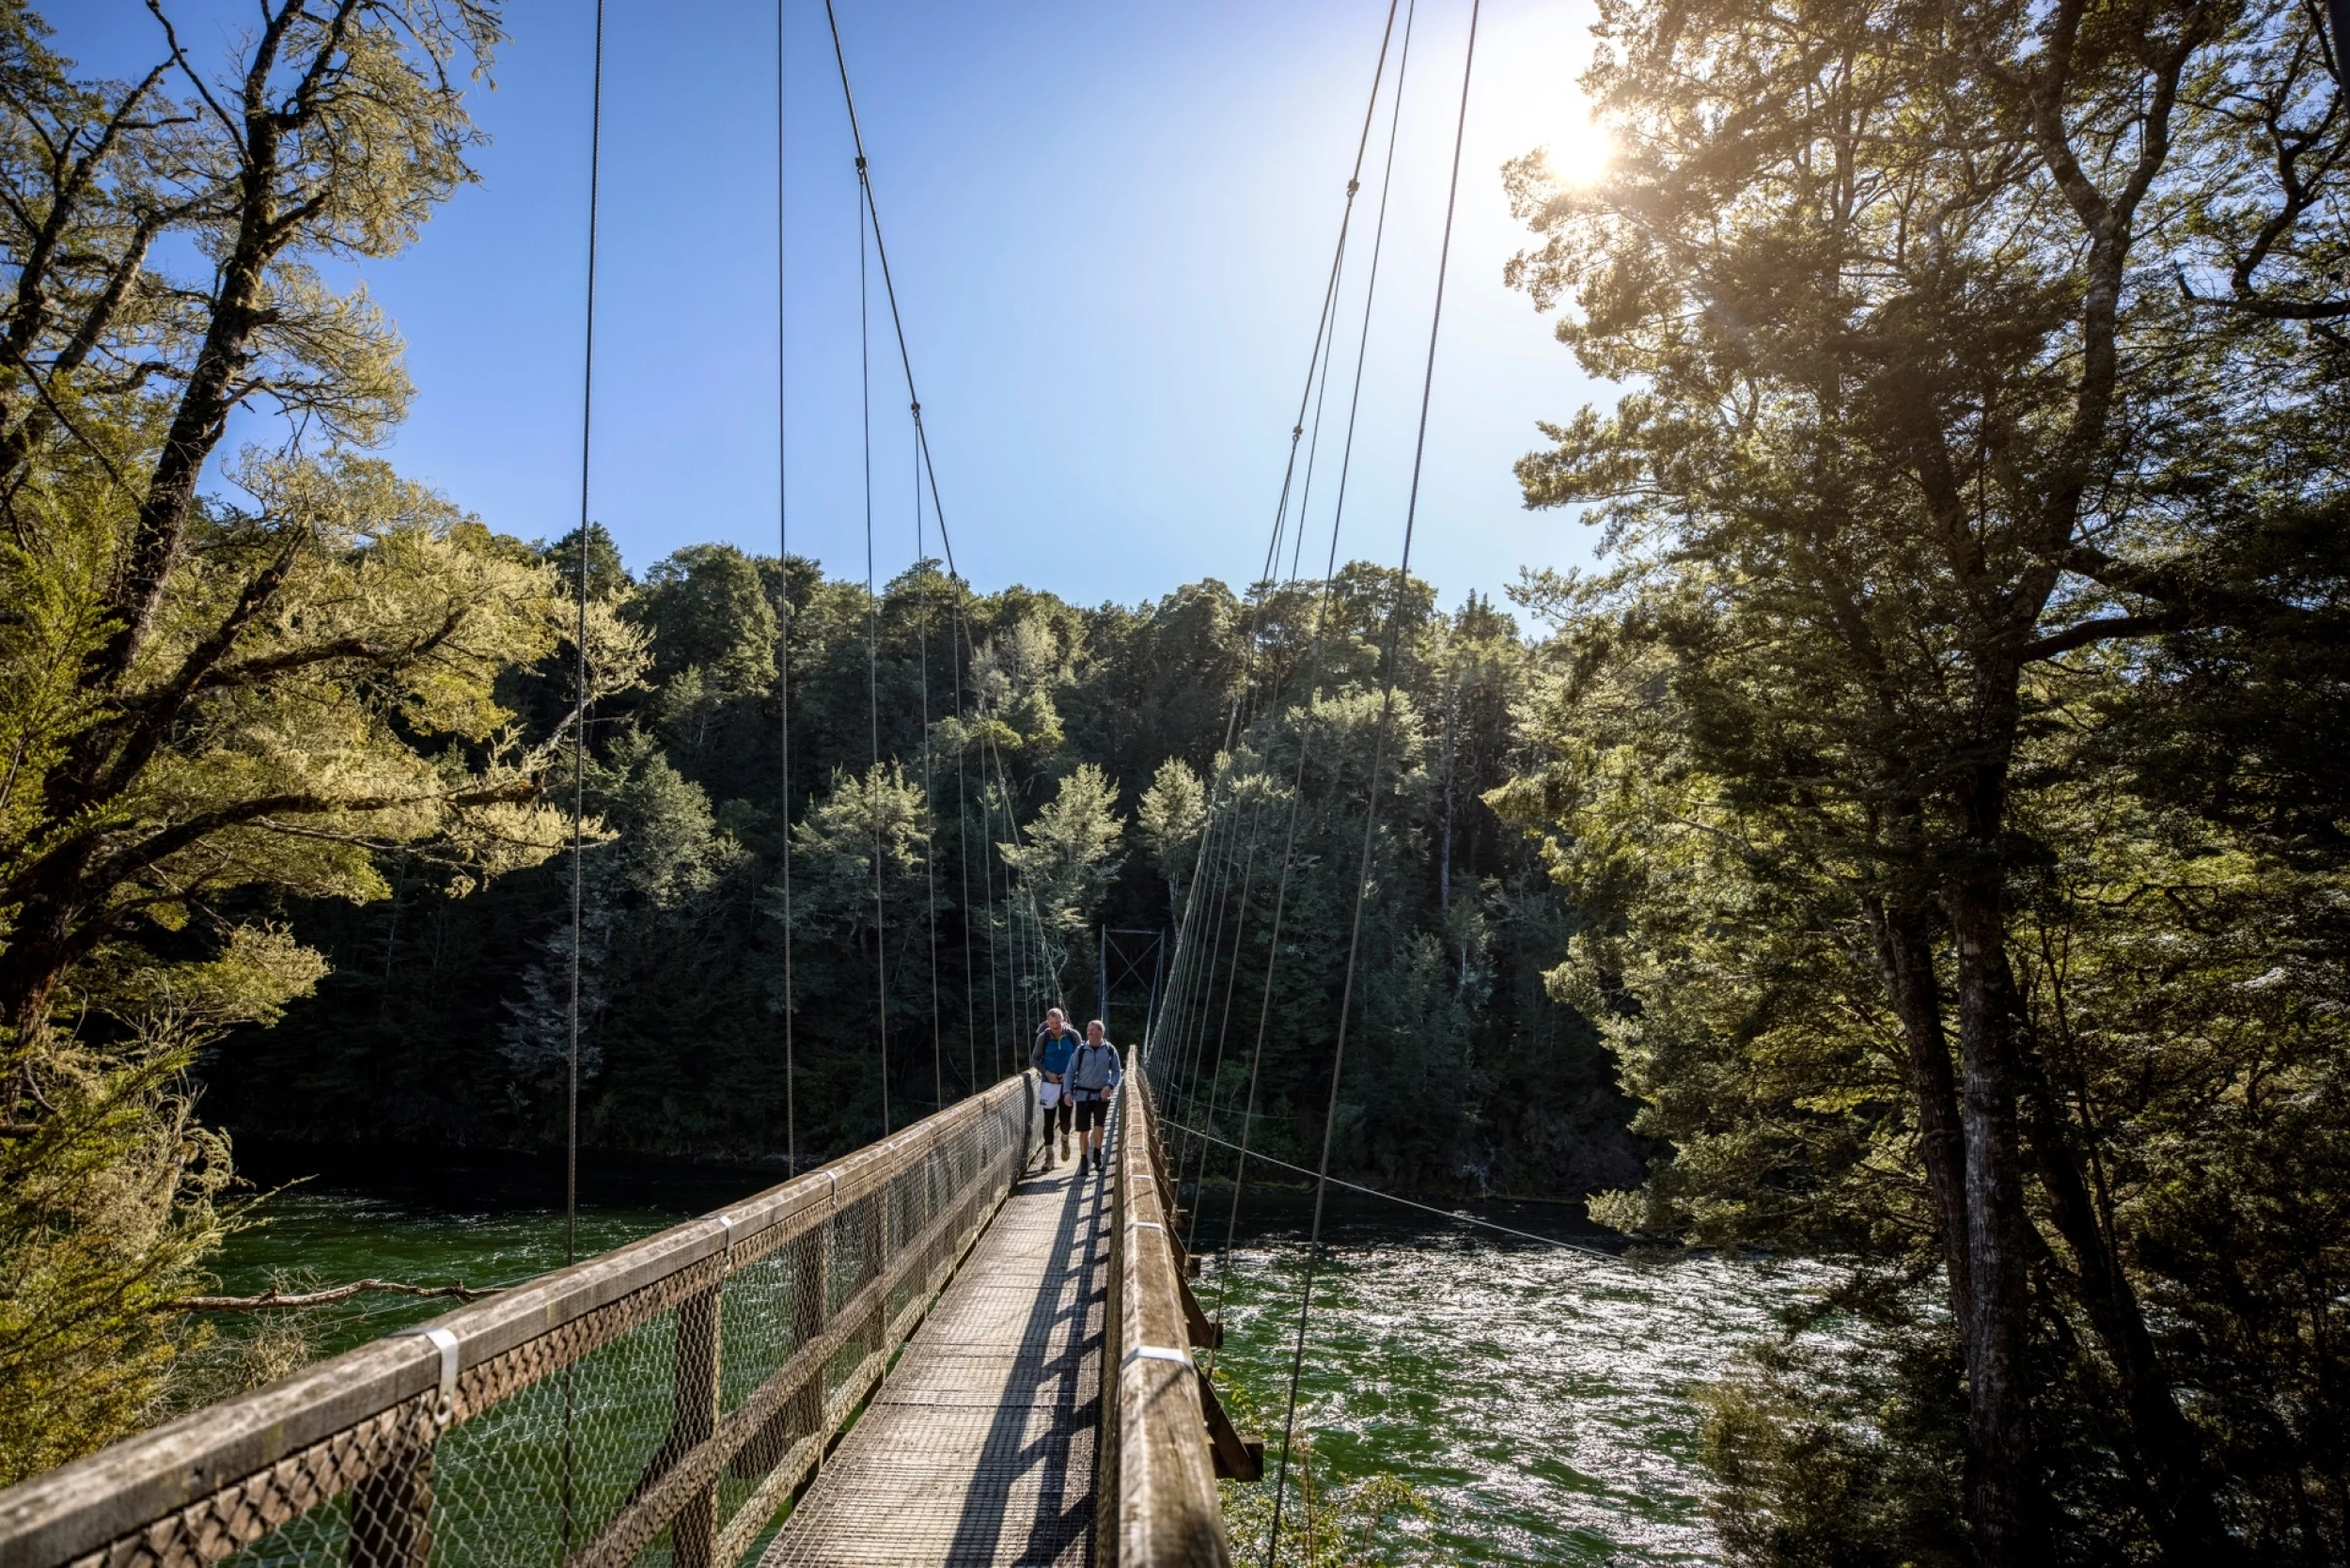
(938, 1350)
(944, 1348)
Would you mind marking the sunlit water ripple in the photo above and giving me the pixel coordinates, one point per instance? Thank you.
(1537, 1399)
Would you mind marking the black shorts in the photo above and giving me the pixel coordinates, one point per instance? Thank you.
(1093, 1113)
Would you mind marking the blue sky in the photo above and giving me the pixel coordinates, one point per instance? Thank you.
(1110, 224)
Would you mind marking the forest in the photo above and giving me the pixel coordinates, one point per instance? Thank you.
(442, 1019)
(1919, 843)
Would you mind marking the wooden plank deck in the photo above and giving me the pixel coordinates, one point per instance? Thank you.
(979, 1446)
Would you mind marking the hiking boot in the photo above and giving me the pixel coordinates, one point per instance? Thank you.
(1065, 1146)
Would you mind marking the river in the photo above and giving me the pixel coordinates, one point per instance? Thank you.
(1535, 1399)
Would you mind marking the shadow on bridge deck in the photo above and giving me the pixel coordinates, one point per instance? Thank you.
(979, 1446)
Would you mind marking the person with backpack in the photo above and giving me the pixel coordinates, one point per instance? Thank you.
(1055, 1043)
(1094, 1071)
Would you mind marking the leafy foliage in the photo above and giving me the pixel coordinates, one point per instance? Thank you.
(1174, 812)
(213, 703)
(448, 1020)
(1066, 863)
(107, 1211)
(1921, 766)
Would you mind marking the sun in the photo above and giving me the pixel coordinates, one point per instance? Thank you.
(1530, 96)
(1579, 152)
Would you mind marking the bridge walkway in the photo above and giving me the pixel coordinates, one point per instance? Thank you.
(979, 1446)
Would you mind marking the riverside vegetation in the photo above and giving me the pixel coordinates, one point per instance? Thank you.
(1932, 818)
(1949, 767)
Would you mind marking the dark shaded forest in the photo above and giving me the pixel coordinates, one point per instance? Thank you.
(1100, 731)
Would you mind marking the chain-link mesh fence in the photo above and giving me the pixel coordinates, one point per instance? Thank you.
(657, 1405)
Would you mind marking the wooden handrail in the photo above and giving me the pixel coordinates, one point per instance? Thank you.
(1157, 1504)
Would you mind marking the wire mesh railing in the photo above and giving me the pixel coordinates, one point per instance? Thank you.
(655, 1406)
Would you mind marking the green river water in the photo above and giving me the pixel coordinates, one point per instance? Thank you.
(1536, 1398)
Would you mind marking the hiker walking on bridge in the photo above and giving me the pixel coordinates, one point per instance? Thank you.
(1055, 1044)
(1093, 1075)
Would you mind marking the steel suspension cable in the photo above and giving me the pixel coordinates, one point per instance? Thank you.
(579, 736)
(1231, 903)
(1305, 738)
(579, 711)
(1223, 1032)
(1214, 885)
(1186, 961)
(930, 813)
(872, 650)
(1297, 427)
(1015, 947)
(963, 845)
(905, 358)
(1264, 1011)
(998, 953)
(1386, 186)
(1563, 1244)
(1204, 881)
(783, 630)
(1205, 978)
(1193, 1039)
(1246, 858)
(1370, 807)
(1190, 1037)
(1370, 290)
(1313, 444)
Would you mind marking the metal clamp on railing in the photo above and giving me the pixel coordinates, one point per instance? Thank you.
(444, 1408)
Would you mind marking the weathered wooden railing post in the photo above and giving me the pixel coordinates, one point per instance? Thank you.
(694, 1416)
(391, 1510)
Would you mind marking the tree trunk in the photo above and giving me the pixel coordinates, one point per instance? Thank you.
(1974, 1169)
(49, 936)
(2003, 1495)
(2180, 1502)
(52, 932)
(1904, 943)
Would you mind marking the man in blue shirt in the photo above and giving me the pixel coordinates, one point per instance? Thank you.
(1055, 1043)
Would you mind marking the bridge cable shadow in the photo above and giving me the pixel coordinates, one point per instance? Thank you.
(1056, 1519)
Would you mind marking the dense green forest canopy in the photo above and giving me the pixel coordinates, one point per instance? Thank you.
(446, 1019)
